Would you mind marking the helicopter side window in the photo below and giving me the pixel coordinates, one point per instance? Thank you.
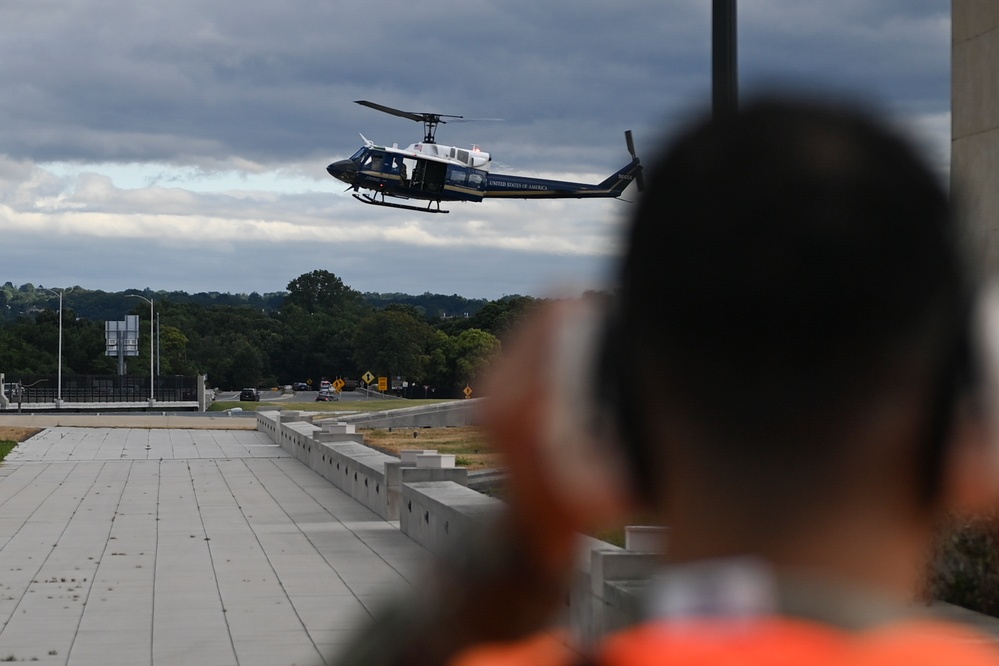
(456, 176)
(400, 168)
(475, 179)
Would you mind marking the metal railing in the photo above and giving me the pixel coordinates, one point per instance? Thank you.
(99, 388)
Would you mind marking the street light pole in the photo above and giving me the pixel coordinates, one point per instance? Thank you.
(724, 58)
(152, 395)
(59, 386)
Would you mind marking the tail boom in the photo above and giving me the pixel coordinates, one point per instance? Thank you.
(521, 187)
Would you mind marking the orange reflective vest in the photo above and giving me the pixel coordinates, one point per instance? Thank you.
(776, 641)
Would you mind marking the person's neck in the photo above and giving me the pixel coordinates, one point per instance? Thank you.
(865, 548)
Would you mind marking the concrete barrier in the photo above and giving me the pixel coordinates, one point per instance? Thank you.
(436, 509)
(438, 515)
(337, 453)
(439, 415)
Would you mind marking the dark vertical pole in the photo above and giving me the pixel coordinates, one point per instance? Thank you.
(724, 58)
(121, 353)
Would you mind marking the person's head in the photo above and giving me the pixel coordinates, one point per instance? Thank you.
(795, 301)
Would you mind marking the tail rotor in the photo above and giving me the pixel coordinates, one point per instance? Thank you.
(639, 178)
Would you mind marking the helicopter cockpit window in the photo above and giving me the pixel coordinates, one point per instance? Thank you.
(356, 157)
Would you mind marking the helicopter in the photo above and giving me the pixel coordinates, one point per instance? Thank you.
(431, 172)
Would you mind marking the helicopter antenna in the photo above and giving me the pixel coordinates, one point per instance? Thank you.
(430, 120)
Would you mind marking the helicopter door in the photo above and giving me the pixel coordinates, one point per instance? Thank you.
(429, 176)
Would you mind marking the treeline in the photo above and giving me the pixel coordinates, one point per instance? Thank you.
(319, 327)
(109, 305)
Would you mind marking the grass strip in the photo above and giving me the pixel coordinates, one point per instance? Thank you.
(6, 446)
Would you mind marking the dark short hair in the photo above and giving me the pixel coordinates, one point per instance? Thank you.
(781, 261)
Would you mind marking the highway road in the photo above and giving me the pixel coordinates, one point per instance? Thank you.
(289, 396)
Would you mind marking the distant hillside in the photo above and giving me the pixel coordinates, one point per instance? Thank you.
(431, 306)
(97, 305)
(319, 327)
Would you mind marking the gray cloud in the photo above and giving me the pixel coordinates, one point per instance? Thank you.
(239, 266)
(273, 82)
(256, 87)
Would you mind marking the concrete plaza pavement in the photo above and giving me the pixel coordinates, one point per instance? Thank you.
(182, 546)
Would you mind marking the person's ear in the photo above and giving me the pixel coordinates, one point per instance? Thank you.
(970, 467)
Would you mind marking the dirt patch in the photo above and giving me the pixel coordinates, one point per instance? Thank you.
(17, 433)
(468, 443)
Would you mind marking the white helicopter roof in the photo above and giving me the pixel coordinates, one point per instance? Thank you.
(475, 158)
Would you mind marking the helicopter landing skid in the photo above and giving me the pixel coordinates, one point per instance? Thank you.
(368, 199)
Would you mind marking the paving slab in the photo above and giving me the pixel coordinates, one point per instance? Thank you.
(166, 546)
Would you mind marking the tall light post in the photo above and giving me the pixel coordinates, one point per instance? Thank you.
(59, 387)
(724, 58)
(152, 395)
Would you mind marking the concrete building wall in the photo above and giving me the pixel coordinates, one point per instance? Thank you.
(975, 122)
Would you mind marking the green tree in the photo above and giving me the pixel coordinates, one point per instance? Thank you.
(473, 350)
(455, 361)
(313, 345)
(496, 317)
(394, 342)
(322, 291)
(173, 352)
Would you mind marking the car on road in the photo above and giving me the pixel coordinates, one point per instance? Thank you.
(327, 396)
(300, 386)
(249, 394)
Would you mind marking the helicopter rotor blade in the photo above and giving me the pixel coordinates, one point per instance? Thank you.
(409, 115)
(639, 178)
(462, 119)
(389, 110)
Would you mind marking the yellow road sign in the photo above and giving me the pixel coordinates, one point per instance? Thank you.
(383, 383)
(468, 391)
(368, 377)
(338, 384)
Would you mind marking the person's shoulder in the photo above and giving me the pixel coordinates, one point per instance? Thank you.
(774, 641)
(925, 642)
(782, 641)
(543, 649)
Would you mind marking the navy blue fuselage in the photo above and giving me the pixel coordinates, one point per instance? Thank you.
(395, 173)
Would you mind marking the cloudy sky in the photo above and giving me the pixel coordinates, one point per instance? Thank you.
(183, 145)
